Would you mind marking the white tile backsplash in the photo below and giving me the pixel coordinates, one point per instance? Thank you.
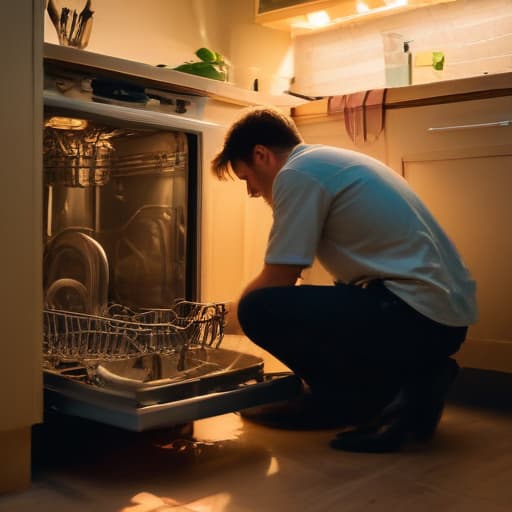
(475, 35)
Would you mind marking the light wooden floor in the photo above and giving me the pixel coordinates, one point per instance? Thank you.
(238, 466)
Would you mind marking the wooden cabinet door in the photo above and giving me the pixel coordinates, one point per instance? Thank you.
(21, 234)
(469, 192)
(21, 223)
(456, 154)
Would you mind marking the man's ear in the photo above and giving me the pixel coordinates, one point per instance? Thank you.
(260, 153)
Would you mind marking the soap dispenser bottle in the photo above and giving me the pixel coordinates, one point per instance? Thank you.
(407, 64)
(397, 60)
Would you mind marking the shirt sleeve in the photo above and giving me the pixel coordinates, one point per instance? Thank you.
(300, 206)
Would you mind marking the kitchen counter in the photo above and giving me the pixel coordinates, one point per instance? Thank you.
(56, 57)
(448, 91)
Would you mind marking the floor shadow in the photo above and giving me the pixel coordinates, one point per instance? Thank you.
(90, 450)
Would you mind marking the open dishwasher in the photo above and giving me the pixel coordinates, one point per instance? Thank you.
(124, 241)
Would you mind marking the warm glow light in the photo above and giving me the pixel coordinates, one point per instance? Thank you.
(218, 428)
(148, 502)
(361, 7)
(273, 467)
(318, 19)
(395, 3)
(321, 19)
(66, 123)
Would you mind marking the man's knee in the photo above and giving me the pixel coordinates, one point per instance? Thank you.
(251, 311)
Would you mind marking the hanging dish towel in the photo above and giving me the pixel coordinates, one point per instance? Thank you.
(363, 114)
(374, 114)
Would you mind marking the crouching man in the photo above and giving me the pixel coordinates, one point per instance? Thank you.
(376, 345)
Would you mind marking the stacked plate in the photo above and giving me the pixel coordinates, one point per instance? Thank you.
(75, 273)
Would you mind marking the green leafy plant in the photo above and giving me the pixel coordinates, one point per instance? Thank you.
(211, 65)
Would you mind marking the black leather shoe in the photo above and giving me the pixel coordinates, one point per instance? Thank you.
(303, 412)
(380, 438)
(413, 415)
(430, 397)
(309, 412)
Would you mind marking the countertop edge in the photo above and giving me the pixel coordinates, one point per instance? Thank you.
(463, 89)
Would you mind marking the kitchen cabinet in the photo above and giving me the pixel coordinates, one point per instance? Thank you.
(302, 16)
(457, 155)
(469, 193)
(21, 255)
(452, 141)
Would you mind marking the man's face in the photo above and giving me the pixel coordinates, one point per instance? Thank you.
(253, 180)
(259, 174)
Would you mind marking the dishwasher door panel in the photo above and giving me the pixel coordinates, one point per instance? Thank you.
(117, 409)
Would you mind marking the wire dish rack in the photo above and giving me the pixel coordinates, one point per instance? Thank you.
(122, 332)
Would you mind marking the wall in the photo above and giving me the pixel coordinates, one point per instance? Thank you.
(169, 32)
(475, 35)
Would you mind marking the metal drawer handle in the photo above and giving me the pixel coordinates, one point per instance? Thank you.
(469, 126)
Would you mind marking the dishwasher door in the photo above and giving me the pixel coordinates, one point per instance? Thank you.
(152, 369)
(143, 410)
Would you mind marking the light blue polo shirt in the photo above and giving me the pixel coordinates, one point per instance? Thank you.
(363, 222)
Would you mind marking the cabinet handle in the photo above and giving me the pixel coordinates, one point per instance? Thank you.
(469, 126)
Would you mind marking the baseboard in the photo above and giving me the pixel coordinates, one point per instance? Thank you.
(484, 389)
(486, 355)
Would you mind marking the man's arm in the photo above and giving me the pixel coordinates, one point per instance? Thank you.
(271, 275)
(274, 275)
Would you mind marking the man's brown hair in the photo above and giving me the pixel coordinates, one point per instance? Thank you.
(258, 125)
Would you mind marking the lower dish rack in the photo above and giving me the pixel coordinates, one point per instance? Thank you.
(151, 369)
(122, 332)
(132, 351)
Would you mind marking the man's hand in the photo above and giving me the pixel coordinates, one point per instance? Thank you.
(271, 275)
(232, 325)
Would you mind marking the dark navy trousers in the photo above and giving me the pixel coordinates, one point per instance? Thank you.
(351, 345)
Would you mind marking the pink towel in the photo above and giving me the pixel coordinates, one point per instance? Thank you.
(374, 114)
(336, 104)
(354, 116)
(363, 113)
